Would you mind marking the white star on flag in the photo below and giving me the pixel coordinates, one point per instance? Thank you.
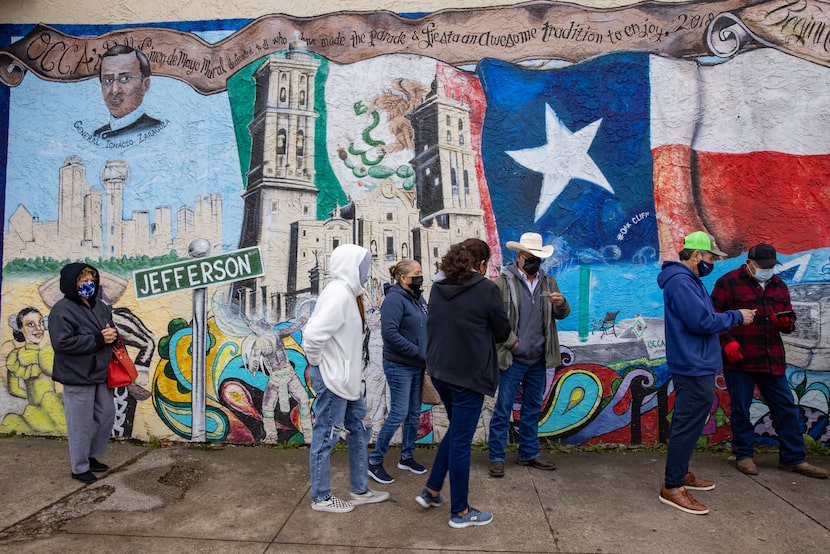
(562, 158)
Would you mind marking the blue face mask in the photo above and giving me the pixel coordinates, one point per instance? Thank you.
(704, 268)
(763, 275)
(86, 290)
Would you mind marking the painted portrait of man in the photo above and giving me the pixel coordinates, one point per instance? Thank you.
(125, 79)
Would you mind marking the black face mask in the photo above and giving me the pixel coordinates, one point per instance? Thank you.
(532, 265)
(415, 285)
(704, 268)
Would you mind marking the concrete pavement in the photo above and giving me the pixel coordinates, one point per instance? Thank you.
(221, 498)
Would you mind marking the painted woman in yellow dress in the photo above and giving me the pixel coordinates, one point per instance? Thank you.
(29, 376)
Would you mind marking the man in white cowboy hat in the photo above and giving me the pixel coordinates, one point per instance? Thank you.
(531, 348)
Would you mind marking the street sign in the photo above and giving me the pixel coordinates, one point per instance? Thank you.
(198, 272)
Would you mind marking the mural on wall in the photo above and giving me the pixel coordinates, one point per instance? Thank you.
(613, 133)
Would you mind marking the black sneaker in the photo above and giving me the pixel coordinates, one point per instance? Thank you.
(379, 474)
(86, 477)
(95, 465)
(410, 464)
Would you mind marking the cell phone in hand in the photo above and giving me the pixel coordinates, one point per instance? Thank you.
(788, 313)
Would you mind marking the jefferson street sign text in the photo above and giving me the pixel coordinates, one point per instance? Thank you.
(198, 272)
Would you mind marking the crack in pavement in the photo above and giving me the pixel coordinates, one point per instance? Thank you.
(143, 485)
(51, 519)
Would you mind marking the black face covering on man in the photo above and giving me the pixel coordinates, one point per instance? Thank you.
(532, 265)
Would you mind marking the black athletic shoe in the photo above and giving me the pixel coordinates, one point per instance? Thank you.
(95, 465)
(86, 477)
(379, 474)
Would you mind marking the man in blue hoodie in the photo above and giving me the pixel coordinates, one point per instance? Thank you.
(693, 356)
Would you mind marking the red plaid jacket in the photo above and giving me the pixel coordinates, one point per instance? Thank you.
(760, 342)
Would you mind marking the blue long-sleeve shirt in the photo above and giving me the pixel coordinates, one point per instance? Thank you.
(691, 322)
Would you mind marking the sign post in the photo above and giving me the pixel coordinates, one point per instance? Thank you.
(199, 248)
(196, 274)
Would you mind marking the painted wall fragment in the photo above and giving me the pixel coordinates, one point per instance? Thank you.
(612, 133)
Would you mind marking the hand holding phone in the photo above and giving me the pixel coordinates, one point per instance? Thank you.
(785, 321)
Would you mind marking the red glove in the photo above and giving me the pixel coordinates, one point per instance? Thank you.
(733, 352)
(785, 323)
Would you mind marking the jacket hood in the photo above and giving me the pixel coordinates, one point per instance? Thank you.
(69, 279)
(346, 260)
(451, 290)
(673, 269)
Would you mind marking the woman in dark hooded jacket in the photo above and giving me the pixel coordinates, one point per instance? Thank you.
(466, 319)
(82, 333)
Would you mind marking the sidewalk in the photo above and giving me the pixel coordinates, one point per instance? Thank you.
(217, 498)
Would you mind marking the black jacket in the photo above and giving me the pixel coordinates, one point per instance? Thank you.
(81, 356)
(465, 322)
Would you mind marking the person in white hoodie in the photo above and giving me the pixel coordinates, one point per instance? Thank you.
(333, 343)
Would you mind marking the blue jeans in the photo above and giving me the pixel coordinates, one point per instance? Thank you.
(405, 389)
(693, 398)
(333, 414)
(786, 417)
(463, 410)
(532, 377)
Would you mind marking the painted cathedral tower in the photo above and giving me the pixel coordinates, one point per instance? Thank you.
(281, 189)
(445, 174)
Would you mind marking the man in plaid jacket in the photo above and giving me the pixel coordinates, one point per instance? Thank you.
(754, 355)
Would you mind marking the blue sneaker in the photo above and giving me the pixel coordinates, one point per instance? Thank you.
(426, 500)
(379, 474)
(472, 517)
(410, 464)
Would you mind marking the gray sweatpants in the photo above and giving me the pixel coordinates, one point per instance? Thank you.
(90, 413)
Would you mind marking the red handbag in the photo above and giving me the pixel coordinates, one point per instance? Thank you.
(122, 370)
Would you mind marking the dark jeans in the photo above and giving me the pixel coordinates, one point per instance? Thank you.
(786, 417)
(693, 398)
(453, 456)
(532, 378)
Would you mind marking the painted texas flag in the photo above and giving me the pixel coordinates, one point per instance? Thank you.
(566, 153)
(605, 156)
(742, 149)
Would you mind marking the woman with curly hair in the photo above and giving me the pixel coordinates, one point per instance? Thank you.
(466, 319)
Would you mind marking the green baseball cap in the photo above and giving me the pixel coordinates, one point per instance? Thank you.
(702, 241)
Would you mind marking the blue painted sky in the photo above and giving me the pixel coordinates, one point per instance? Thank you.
(195, 154)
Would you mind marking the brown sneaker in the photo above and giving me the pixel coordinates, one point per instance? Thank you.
(747, 466)
(496, 469)
(806, 469)
(696, 483)
(681, 499)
